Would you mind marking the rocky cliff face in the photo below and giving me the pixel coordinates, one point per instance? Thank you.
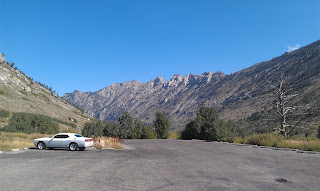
(144, 99)
(237, 95)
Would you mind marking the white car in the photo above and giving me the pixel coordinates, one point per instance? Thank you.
(72, 141)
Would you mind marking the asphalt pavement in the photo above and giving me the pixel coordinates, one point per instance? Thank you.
(161, 165)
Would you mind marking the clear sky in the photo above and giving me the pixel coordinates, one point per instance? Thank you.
(88, 45)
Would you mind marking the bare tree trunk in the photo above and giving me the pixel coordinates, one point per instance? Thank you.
(281, 109)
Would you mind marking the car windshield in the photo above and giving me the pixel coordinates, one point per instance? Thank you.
(77, 135)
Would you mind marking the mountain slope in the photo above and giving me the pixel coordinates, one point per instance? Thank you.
(237, 95)
(141, 98)
(20, 93)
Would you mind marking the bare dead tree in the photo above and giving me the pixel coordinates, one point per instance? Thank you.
(282, 100)
(283, 110)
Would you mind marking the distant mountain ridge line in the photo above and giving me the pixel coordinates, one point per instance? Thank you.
(204, 77)
(238, 95)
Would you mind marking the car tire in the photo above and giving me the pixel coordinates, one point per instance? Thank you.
(73, 146)
(81, 148)
(41, 145)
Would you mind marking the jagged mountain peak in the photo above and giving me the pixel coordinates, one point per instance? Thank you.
(238, 95)
(158, 81)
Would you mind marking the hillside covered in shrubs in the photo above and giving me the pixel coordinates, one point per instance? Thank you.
(31, 123)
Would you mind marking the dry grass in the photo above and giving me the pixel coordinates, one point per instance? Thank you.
(11, 141)
(173, 135)
(279, 141)
(260, 139)
(110, 142)
(311, 145)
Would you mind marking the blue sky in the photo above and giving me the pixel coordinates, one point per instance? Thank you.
(88, 45)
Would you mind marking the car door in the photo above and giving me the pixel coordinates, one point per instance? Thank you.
(62, 141)
(65, 141)
(55, 141)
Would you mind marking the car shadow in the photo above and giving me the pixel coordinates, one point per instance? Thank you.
(55, 149)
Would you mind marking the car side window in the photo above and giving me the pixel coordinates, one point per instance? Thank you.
(61, 136)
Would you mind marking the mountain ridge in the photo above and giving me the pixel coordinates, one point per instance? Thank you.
(238, 95)
(20, 93)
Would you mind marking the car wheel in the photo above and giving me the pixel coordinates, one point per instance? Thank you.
(81, 148)
(73, 146)
(41, 145)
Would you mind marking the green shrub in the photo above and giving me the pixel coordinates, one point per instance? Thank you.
(111, 129)
(1, 92)
(208, 126)
(93, 128)
(31, 123)
(137, 129)
(4, 114)
(161, 125)
(148, 133)
(191, 131)
(126, 126)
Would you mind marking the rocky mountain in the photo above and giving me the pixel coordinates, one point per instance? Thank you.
(20, 93)
(237, 96)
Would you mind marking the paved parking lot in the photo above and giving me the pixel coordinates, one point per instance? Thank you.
(161, 165)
